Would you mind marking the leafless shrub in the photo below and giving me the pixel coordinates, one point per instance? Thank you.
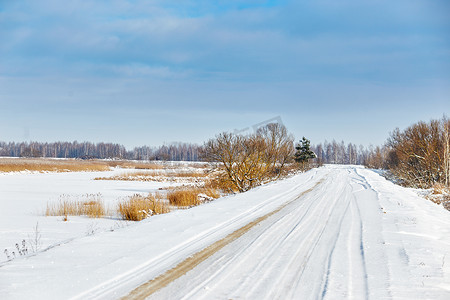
(446, 201)
(439, 189)
(419, 155)
(35, 240)
(253, 159)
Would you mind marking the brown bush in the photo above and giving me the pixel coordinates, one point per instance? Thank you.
(188, 197)
(419, 155)
(184, 198)
(139, 207)
(221, 182)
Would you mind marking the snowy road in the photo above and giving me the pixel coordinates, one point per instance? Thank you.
(338, 232)
(314, 246)
(325, 244)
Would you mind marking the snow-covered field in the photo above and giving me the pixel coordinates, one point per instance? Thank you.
(24, 197)
(337, 232)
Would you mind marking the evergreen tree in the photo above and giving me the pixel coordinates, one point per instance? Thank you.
(303, 153)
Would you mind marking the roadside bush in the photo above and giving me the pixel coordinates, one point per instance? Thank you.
(221, 181)
(420, 155)
(191, 196)
(139, 207)
(253, 159)
(184, 198)
(210, 192)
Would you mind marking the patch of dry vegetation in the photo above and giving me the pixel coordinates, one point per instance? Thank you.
(74, 165)
(51, 165)
(440, 194)
(418, 156)
(195, 174)
(184, 176)
(92, 207)
(139, 207)
(183, 198)
(133, 208)
(221, 181)
(202, 187)
(191, 196)
(211, 192)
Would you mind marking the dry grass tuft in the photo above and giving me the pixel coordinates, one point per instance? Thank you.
(188, 197)
(439, 194)
(92, 207)
(439, 189)
(211, 192)
(139, 207)
(184, 198)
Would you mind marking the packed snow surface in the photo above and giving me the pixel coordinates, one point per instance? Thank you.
(338, 232)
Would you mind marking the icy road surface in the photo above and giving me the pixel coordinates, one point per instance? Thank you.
(338, 232)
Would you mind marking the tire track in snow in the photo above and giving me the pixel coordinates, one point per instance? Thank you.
(348, 252)
(306, 239)
(188, 264)
(305, 261)
(258, 241)
(313, 249)
(371, 245)
(277, 222)
(330, 257)
(322, 254)
(269, 262)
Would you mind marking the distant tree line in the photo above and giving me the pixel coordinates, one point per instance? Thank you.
(341, 153)
(418, 156)
(87, 150)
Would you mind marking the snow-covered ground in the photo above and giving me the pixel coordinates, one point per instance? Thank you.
(335, 232)
(24, 197)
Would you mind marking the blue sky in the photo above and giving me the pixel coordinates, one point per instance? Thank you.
(153, 72)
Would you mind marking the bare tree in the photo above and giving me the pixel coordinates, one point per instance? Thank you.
(252, 159)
